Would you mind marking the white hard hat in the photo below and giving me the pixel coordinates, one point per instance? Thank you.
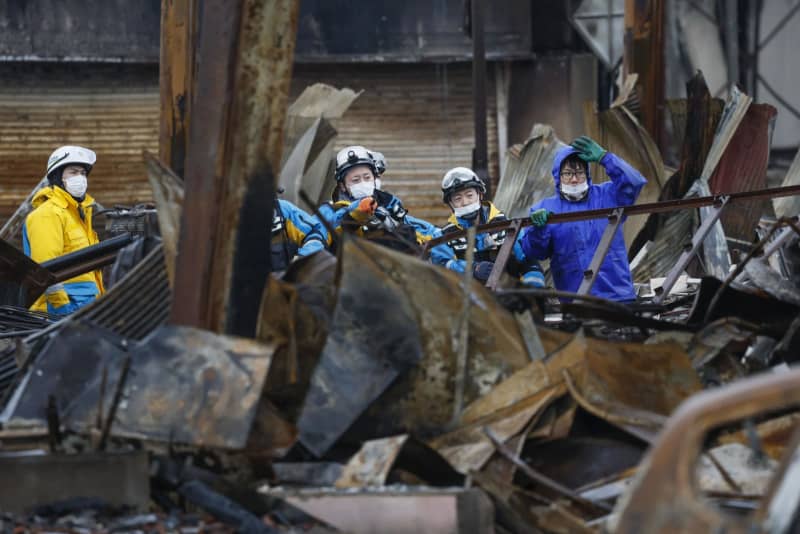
(66, 155)
(349, 157)
(460, 178)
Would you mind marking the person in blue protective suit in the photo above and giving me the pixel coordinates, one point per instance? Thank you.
(571, 245)
(359, 205)
(60, 223)
(463, 191)
(294, 233)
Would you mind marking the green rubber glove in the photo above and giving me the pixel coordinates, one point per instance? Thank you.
(539, 217)
(588, 150)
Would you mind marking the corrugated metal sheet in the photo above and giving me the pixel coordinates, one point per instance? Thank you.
(664, 251)
(116, 123)
(418, 115)
(527, 175)
(743, 167)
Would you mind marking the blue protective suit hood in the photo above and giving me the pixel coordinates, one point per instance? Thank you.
(571, 246)
(561, 155)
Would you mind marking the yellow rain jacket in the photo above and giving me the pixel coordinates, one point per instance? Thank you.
(59, 225)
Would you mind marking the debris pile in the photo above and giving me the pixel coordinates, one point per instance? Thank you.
(381, 393)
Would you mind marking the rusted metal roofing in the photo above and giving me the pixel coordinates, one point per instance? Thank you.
(419, 116)
(743, 167)
(116, 123)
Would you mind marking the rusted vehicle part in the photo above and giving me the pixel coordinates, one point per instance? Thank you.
(397, 459)
(168, 194)
(771, 315)
(526, 178)
(22, 280)
(231, 162)
(430, 298)
(185, 385)
(664, 497)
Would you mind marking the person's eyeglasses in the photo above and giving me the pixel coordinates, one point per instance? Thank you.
(569, 175)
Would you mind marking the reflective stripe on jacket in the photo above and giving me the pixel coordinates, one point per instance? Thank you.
(295, 233)
(487, 245)
(59, 225)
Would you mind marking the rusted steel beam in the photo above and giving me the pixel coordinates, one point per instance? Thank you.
(644, 55)
(503, 255)
(176, 65)
(638, 209)
(665, 497)
(244, 64)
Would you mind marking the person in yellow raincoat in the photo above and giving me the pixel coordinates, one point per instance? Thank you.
(60, 223)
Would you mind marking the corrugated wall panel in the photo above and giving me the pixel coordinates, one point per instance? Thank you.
(418, 115)
(116, 123)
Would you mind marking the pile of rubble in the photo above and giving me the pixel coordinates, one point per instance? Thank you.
(381, 393)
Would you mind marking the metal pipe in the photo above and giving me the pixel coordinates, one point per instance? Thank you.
(83, 255)
(638, 209)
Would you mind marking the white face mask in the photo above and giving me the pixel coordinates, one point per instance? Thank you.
(469, 209)
(362, 190)
(575, 191)
(76, 185)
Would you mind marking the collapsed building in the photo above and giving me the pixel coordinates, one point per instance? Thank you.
(368, 390)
